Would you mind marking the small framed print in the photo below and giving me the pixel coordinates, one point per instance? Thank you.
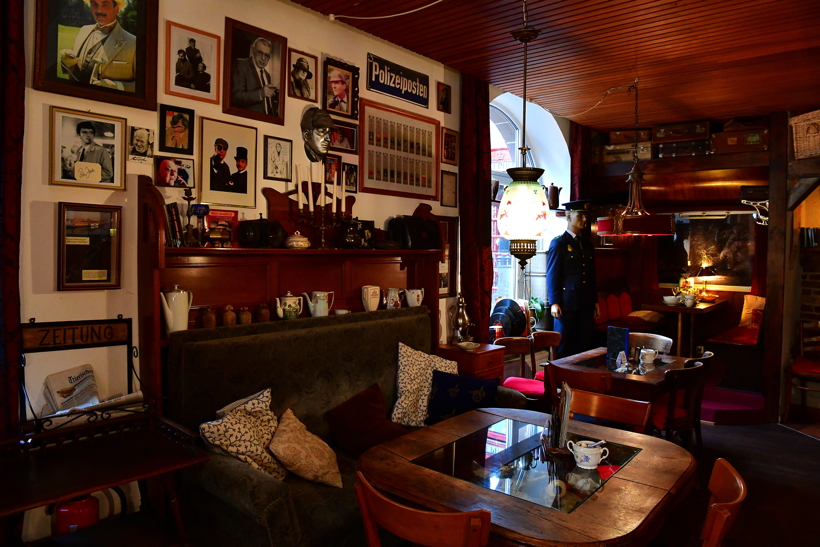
(448, 269)
(341, 95)
(222, 226)
(449, 189)
(333, 169)
(228, 175)
(87, 149)
(449, 146)
(89, 247)
(192, 63)
(278, 154)
(141, 145)
(177, 130)
(444, 97)
(345, 138)
(350, 174)
(173, 172)
(303, 81)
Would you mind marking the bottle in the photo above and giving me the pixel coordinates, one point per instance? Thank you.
(228, 316)
(244, 316)
(262, 313)
(208, 318)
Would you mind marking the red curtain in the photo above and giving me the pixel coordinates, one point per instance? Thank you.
(474, 205)
(12, 105)
(580, 153)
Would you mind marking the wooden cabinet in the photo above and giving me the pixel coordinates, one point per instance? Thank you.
(487, 361)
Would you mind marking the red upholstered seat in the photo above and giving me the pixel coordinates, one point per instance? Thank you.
(800, 364)
(532, 389)
(604, 317)
(625, 303)
(739, 336)
(539, 375)
(613, 307)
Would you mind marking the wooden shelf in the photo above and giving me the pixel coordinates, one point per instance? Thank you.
(710, 162)
(807, 168)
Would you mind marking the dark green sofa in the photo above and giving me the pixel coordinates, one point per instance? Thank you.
(311, 365)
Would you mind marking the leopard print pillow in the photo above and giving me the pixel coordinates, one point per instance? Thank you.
(303, 453)
(415, 379)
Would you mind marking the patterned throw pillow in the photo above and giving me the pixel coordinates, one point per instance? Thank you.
(245, 433)
(453, 394)
(750, 304)
(415, 379)
(303, 453)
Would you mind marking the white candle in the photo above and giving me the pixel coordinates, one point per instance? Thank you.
(324, 189)
(333, 200)
(342, 206)
(299, 186)
(310, 189)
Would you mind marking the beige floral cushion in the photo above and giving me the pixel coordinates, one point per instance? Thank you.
(415, 379)
(303, 453)
(245, 433)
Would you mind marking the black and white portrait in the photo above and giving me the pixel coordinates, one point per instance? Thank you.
(141, 145)
(278, 163)
(228, 164)
(192, 63)
(350, 177)
(303, 81)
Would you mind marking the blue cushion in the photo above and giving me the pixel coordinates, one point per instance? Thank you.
(454, 394)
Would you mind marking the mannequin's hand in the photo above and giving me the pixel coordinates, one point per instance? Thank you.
(597, 311)
(555, 310)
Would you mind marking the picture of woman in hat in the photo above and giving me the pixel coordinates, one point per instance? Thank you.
(299, 76)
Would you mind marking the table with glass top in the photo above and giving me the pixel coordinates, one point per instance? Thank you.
(492, 459)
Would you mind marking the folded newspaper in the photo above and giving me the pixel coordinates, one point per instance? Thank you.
(72, 388)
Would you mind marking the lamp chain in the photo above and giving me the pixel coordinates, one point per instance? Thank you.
(635, 139)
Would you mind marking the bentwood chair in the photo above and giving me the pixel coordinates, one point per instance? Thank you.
(594, 381)
(706, 359)
(728, 492)
(661, 344)
(521, 346)
(674, 412)
(544, 340)
(469, 529)
(615, 409)
(806, 366)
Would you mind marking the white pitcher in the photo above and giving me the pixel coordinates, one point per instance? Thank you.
(175, 306)
(414, 297)
(371, 295)
(318, 302)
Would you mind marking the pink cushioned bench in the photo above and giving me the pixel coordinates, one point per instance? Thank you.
(617, 311)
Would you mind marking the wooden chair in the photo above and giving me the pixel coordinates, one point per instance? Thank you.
(648, 340)
(806, 365)
(674, 413)
(594, 381)
(616, 409)
(706, 359)
(521, 346)
(541, 340)
(469, 529)
(728, 492)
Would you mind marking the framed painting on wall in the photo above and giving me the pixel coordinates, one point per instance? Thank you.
(192, 63)
(399, 152)
(448, 270)
(341, 95)
(174, 172)
(345, 138)
(177, 129)
(278, 156)
(303, 83)
(228, 177)
(449, 189)
(350, 173)
(444, 94)
(449, 146)
(70, 59)
(89, 247)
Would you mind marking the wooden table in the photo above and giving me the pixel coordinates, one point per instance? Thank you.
(627, 510)
(697, 309)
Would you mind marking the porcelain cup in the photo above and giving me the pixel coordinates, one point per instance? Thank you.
(648, 355)
(585, 457)
(690, 300)
(341, 312)
(671, 300)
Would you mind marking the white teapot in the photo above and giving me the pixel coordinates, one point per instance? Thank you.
(317, 302)
(175, 306)
(290, 306)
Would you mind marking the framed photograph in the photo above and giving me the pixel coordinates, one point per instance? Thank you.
(448, 270)
(303, 84)
(449, 146)
(192, 63)
(122, 70)
(449, 189)
(228, 175)
(345, 138)
(255, 62)
(444, 97)
(333, 169)
(141, 145)
(341, 95)
(87, 149)
(350, 174)
(278, 158)
(222, 226)
(174, 172)
(177, 128)
(399, 151)
(89, 248)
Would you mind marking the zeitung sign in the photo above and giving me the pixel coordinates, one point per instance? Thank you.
(388, 78)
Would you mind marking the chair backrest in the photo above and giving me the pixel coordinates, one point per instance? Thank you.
(616, 409)
(706, 360)
(594, 381)
(521, 346)
(810, 340)
(728, 492)
(469, 529)
(648, 340)
(685, 388)
(545, 339)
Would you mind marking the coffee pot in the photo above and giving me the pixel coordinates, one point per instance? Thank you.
(175, 306)
(414, 297)
(290, 306)
(552, 196)
(317, 302)
(459, 321)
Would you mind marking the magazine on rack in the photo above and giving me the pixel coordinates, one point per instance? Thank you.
(72, 388)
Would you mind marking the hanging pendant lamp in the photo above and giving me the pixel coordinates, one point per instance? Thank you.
(522, 213)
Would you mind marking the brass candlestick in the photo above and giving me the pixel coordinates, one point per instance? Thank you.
(321, 219)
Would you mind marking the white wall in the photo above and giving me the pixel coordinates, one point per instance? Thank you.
(305, 30)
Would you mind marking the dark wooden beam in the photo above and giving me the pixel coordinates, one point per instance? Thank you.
(801, 191)
(803, 169)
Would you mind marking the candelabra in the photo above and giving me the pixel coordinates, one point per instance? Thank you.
(322, 219)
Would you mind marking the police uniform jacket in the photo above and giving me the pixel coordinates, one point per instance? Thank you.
(571, 273)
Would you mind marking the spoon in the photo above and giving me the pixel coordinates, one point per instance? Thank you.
(596, 445)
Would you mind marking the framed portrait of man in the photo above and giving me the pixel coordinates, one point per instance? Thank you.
(176, 125)
(192, 63)
(278, 159)
(141, 145)
(350, 172)
(341, 94)
(103, 50)
(87, 149)
(173, 172)
(255, 75)
(444, 95)
(227, 172)
(345, 137)
(303, 78)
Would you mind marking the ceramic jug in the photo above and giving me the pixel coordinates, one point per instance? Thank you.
(175, 306)
(414, 297)
(371, 294)
(318, 304)
(394, 298)
(552, 196)
(290, 306)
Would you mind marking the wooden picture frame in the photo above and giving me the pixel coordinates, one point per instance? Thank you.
(301, 59)
(278, 159)
(75, 161)
(190, 82)
(122, 71)
(332, 169)
(449, 189)
(448, 270)
(345, 138)
(221, 145)
(176, 129)
(409, 142)
(241, 87)
(89, 247)
(346, 105)
(350, 177)
(449, 146)
(174, 172)
(444, 97)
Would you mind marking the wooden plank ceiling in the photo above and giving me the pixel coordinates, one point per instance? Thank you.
(696, 59)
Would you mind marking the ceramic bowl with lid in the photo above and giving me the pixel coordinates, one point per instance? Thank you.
(297, 241)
